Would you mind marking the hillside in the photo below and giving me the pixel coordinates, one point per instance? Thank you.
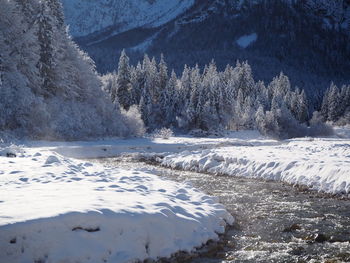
(308, 40)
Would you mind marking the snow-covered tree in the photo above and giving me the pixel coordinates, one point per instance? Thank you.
(137, 83)
(123, 88)
(163, 73)
(49, 87)
(57, 11)
(47, 61)
(333, 103)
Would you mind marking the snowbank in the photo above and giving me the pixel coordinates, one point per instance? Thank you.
(321, 164)
(56, 209)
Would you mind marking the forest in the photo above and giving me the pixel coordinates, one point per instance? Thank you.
(50, 89)
(210, 100)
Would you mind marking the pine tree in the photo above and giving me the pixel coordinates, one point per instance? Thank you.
(123, 89)
(244, 79)
(146, 107)
(169, 101)
(191, 109)
(280, 85)
(46, 62)
(137, 83)
(186, 85)
(163, 73)
(57, 11)
(333, 103)
(325, 105)
(303, 112)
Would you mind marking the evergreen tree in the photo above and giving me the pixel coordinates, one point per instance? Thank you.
(137, 83)
(244, 78)
(163, 73)
(47, 61)
(123, 89)
(57, 11)
(280, 85)
(146, 107)
(185, 82)
(303, 112)
(325, 105)
(169, 106)
(195, 86)
(333, 103)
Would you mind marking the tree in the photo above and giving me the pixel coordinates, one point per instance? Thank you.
(123, 89)
(146, 107)
(333, 103)
(244, 78)
(57, 11)
(169, 101)
(137, 83)
(163, 73)
(47, 61)
(303, 112)
(280, 85)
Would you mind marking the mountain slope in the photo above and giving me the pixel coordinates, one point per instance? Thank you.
(307, 39)
(87, 17)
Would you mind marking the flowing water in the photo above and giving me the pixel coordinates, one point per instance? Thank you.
(274, 222)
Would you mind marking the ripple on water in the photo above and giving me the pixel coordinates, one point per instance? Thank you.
(264, 210)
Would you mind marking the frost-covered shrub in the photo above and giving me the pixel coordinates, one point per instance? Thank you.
(318, 127)
(133, 122)
(280, 124)
(164, 133)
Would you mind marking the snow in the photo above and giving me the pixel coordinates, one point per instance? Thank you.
(98, 213)
(246, 40)
(86, 17)
(143, 46)
(58, 209)
(322, 164)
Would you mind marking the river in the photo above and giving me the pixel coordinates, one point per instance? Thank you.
(275, 222)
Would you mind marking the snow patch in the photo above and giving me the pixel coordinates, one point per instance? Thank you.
(246, 40)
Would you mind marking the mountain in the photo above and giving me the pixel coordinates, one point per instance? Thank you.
(87, 17)
(306, 39)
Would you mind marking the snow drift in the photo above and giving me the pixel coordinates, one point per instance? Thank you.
(55, 209)
(320, 164)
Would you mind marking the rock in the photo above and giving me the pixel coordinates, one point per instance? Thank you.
(52, 159)
(292, 228)
(342, 239)
(320, 238)
(11, 155)
(298, 251)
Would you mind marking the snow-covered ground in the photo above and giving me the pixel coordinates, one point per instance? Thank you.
(57, 209)
(322, 164)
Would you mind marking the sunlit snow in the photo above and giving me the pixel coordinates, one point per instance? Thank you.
(58, 209)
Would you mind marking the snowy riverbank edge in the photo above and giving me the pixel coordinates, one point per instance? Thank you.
(321, 164)
(59, 209)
